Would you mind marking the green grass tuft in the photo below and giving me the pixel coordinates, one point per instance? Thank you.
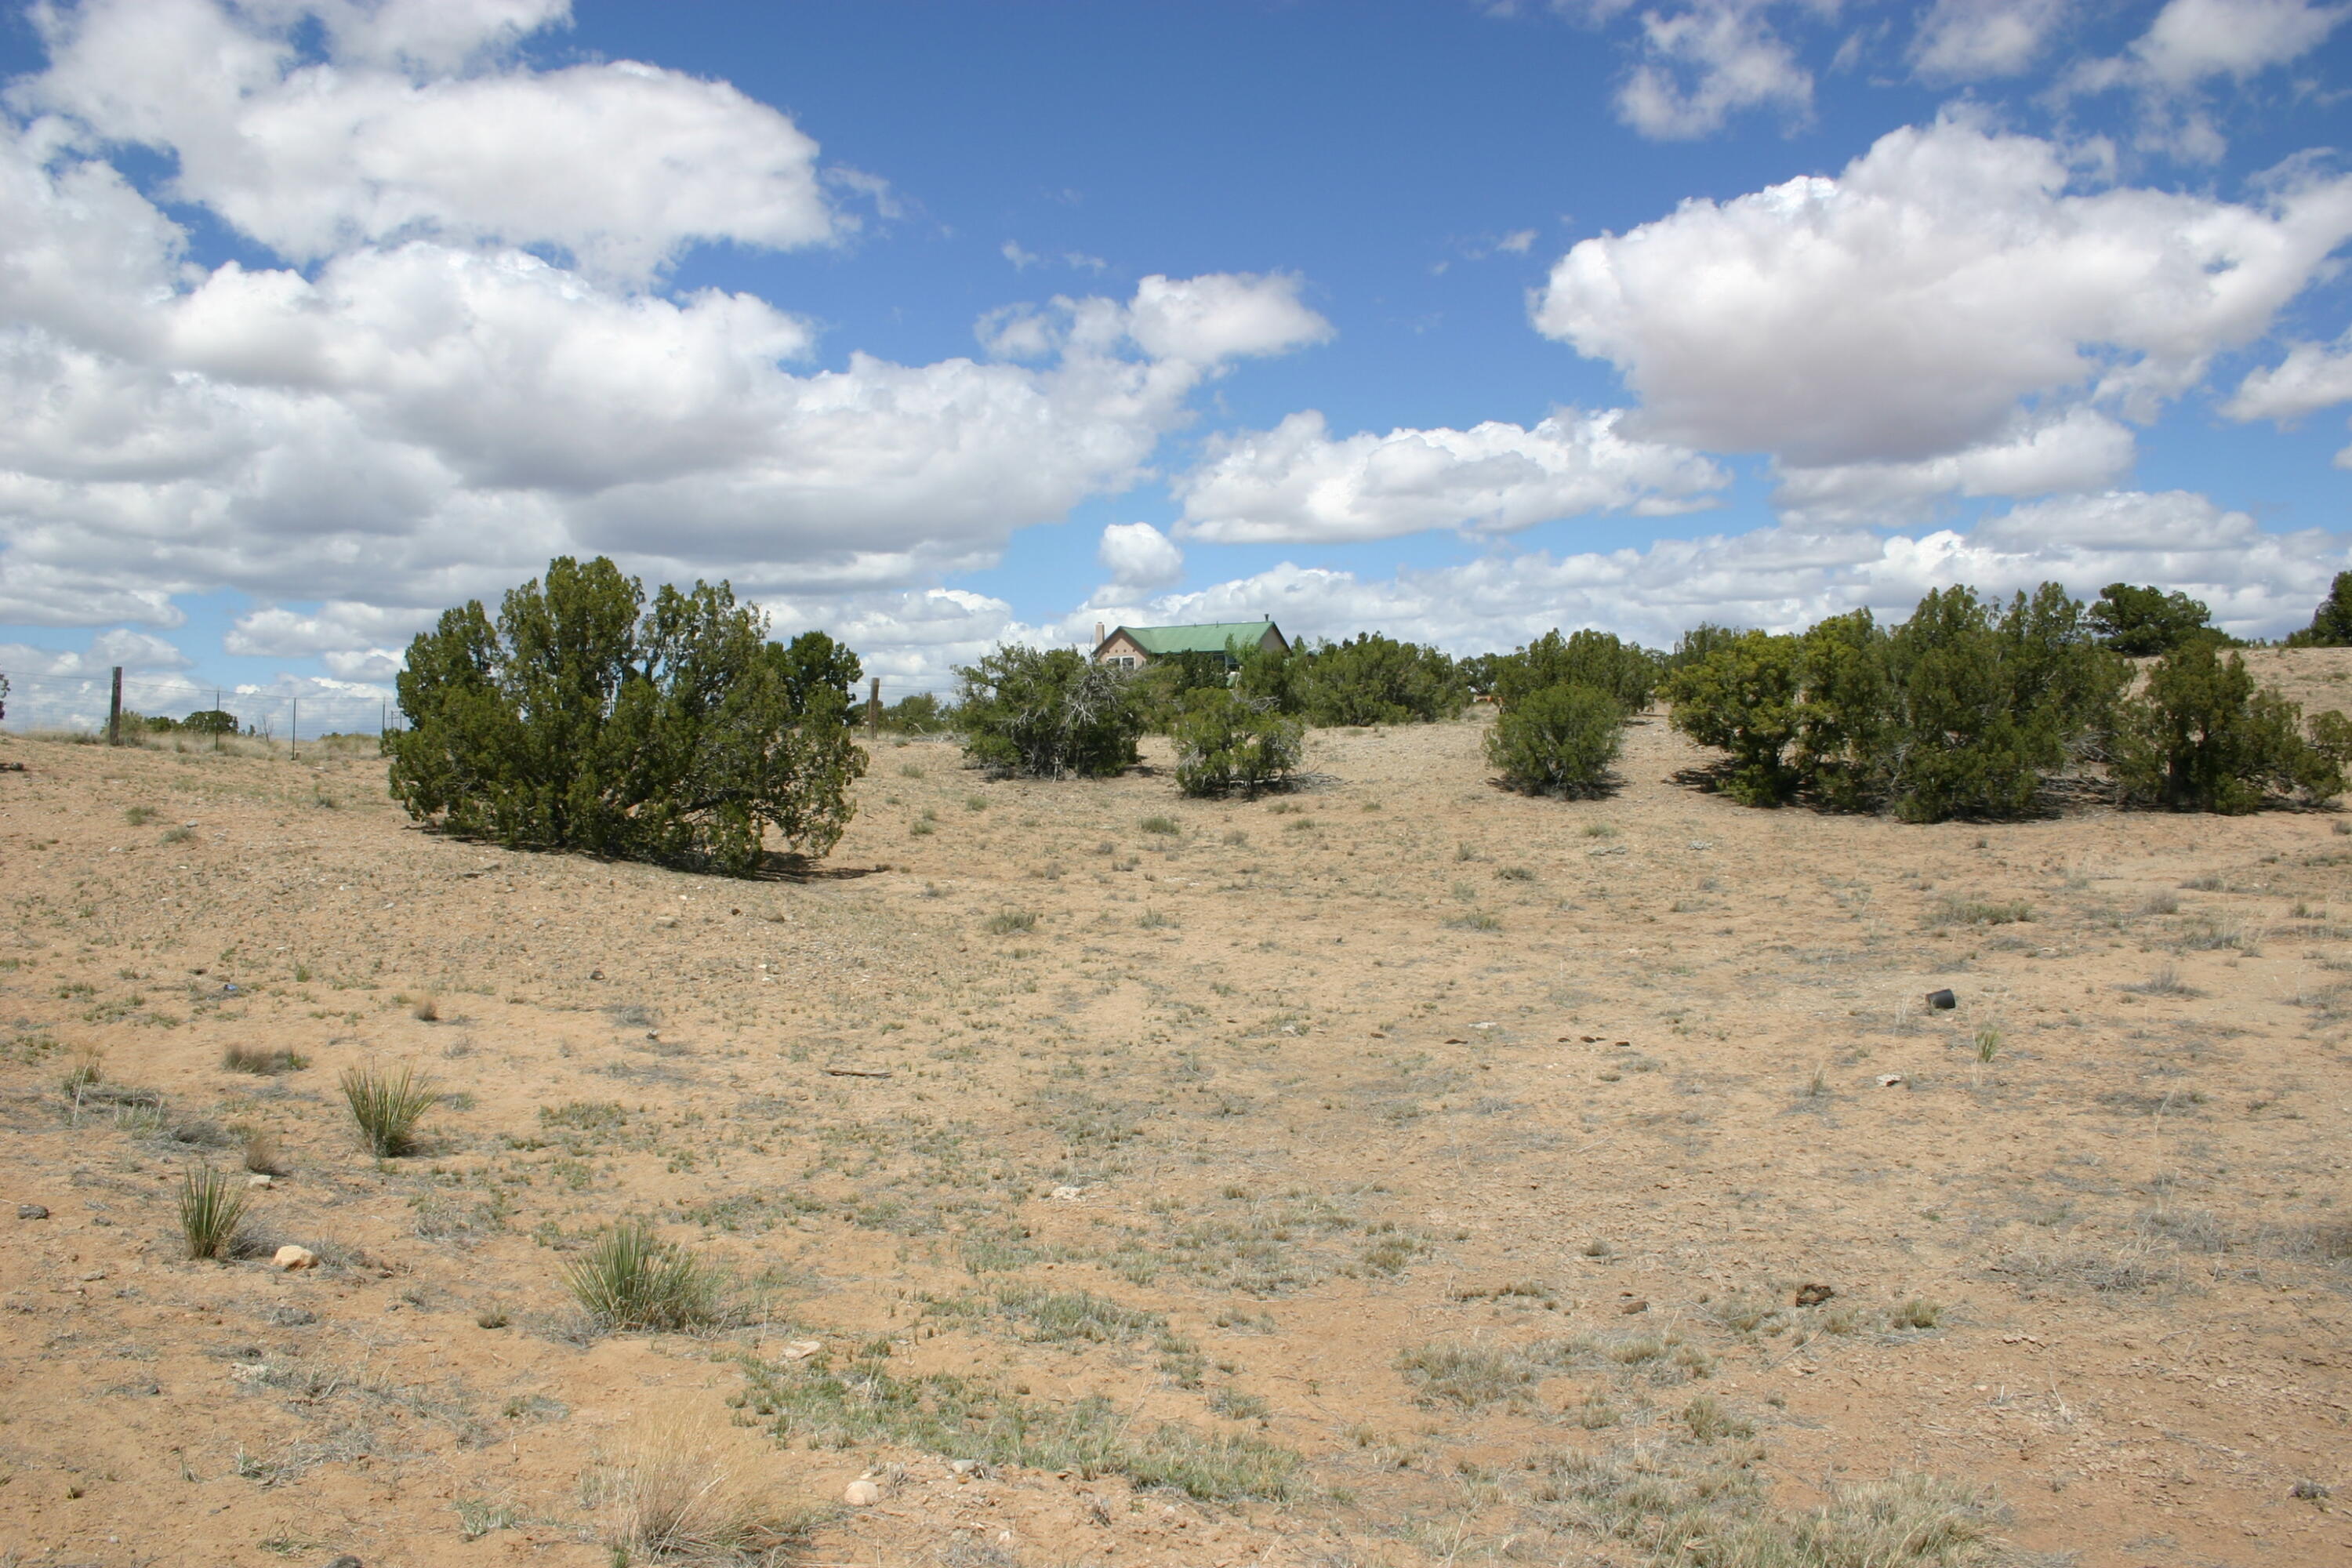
(388, 1106)
(633, 1279)
(212, 1210)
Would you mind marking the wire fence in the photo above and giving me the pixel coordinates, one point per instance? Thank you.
(78, 703)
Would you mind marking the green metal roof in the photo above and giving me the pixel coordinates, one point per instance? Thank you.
(1211, 638)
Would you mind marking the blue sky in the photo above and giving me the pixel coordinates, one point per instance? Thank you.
(945, 325)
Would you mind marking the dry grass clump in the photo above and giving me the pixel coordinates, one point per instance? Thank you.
(675, 1492)
(263, 1061)
(1010, 922)
(633, 1279)
(1665, 1499)
(261, 1155)
(387, 1106)
(212, 1211)
(1980, 913)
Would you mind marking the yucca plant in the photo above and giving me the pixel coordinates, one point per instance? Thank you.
(633, 1279)
(388, 1106)
(212, 1209)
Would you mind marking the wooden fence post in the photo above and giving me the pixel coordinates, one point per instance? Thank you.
(114, 711)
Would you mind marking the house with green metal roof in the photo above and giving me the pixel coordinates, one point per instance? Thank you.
(1132, 647)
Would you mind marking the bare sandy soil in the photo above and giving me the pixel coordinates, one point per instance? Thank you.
(1442, 1166)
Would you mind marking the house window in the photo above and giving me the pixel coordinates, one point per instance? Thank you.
(1125, 661)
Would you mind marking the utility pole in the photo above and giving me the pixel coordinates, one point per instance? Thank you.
(114, 711)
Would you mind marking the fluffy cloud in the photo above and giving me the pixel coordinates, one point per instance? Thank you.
(1975, 40)
(2081, 449)
(417, 423)
(1905, 308)
(136, 651)
(2312, 376)
(622, 164)
(1295, 482)
(1140, 555)
(1704, 64)
(2192, 40)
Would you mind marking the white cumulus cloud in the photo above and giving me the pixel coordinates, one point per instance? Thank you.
(1140, 555)
(622, 164)
(1296, 482)
(1905, 308)
(1976, 40)
(1703, 65)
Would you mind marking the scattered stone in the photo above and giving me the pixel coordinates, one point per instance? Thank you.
(595, 974)
(292, 1259)
(1636, 1305)
(1942, 1001)
(963, 1468)
(259, 1179)
(1068, 1194)
(1813, 1295)
(32, 1211)
(2310, 1492)
(1892, 1080)
(857, 1072)
(93, 1276)
(800, 1350)
(862, 1493)
(665, 922)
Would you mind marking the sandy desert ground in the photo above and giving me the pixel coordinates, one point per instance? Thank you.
(1420, 1173)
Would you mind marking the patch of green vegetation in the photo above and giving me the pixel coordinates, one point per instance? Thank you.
(865, 1404)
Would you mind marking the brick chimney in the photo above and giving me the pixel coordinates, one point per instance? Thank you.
(1098, 634)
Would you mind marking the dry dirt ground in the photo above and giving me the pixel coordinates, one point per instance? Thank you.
(1418, 1172)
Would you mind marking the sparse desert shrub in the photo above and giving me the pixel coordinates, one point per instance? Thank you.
(426, 1011)
(585, 719)
(2202, 738)
(1918, 1313)
(1981, 912)
(1051, 714)
(1225, 741)
(212, 1211)
(1010, 922)
(387, 1106)
(1163, 826)
(633, 1279)
(1558, 740)
(138, 816)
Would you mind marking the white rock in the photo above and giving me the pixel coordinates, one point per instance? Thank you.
(292, 1257)
(1890, 1080)
(862, 1494)
(1068, 1194)
(800, 1350)
(261, 1180)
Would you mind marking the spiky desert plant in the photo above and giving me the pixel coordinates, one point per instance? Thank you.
(212, 1209)
(387, 1106)
(634, 1279)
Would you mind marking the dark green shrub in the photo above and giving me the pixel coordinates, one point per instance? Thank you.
(2140, 623)
(1741, 698)
(920, 714)
(1697, 643)
(1367, 679)
(1558, 740)
(1986, 702)
(818, 674)
(2331, 624)
(1628, 673)
(1164, 687)
(2200, 737)
(210, 721)
(1961, 711)
(1845, 714)
(585, 719)
(1049, 713)
(1225, 741)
